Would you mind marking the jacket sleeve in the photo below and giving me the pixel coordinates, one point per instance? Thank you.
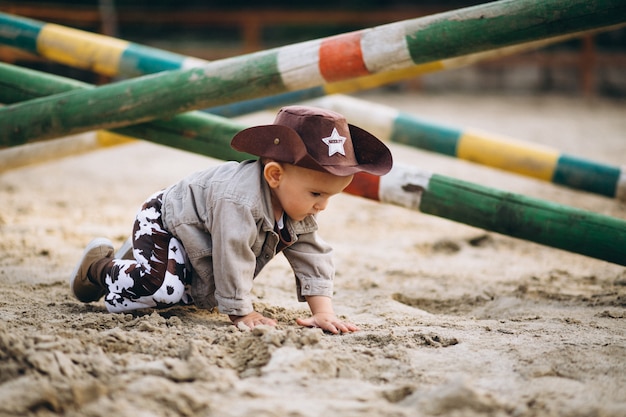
(311, 260)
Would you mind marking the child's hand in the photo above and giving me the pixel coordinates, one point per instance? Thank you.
(252, 320)
(329, 322)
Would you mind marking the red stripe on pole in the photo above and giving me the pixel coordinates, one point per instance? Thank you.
(364, 185)
(340, 57)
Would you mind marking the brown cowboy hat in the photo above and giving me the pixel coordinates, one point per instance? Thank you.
(317, 139)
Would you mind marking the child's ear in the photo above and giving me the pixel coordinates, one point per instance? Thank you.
(273, 173)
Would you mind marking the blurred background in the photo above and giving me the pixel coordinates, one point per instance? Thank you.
(592, 65)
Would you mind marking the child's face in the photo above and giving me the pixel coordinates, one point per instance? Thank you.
(302, 192)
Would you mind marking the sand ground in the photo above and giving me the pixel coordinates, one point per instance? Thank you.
(455, 320)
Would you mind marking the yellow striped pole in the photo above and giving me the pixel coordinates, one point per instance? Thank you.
(508, 154)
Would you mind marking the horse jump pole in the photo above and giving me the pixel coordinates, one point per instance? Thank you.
(511, 214)
(115, 57)
(195, 131)
(525, 158)
(86, 50)
(304, 65)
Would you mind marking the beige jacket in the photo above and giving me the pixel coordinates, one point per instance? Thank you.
(224, 219)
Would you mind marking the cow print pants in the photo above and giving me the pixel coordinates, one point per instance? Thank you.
(158, 276)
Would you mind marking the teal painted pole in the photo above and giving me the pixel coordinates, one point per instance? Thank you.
(86, 50)
(524, 158)
(304, 65)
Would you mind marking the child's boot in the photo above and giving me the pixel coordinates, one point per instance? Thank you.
(86, 282)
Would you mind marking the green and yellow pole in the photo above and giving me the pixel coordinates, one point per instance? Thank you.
(90, 51)
(513, 155)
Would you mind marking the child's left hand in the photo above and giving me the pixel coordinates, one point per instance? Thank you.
(328, 322)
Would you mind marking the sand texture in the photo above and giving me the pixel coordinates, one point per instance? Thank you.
(455, 320)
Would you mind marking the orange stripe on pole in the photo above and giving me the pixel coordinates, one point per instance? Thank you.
(364, 185)
(340, 57)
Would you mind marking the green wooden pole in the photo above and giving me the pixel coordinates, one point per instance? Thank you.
(540, 221)
(195, 131)
(556, 225)
(304, 65)
(112, 56)
(21, 84)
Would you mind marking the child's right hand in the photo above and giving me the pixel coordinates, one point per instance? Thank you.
(252, 320)
(328, 322)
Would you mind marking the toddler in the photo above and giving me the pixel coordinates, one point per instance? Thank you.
(204, 239)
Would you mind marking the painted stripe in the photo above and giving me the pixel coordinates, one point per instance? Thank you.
(340, 57)
(20, 33)
(81, 49)
(106, 138)
(278, 100)
(138, 60)
(620, 189)
(404, 186)
(586, 175)
(409, 130)
(385, 48)
(299, 65)
(191, 62)
(375, 118)
(376, 80)
(511, 155)
(364, 185)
